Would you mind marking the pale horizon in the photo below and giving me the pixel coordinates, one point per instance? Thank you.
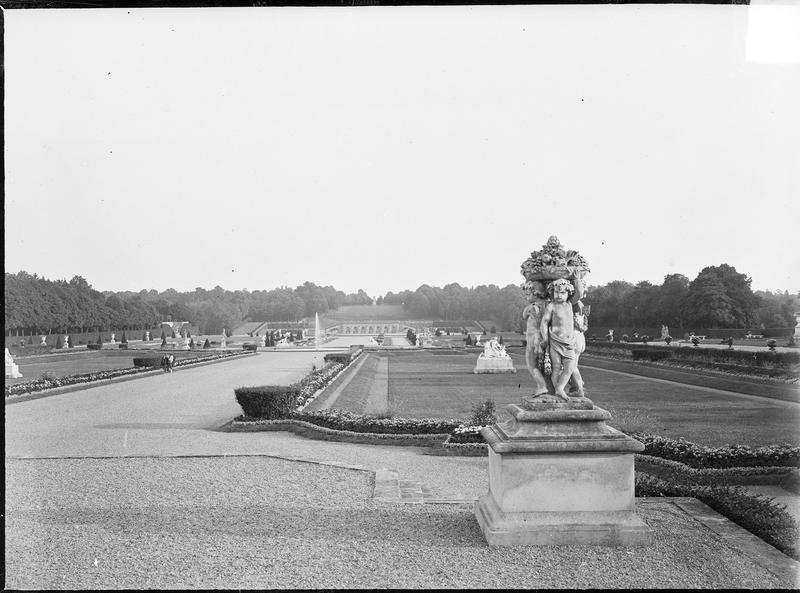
(382, 148)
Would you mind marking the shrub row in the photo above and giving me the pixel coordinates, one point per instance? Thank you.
(699, 456)
(756, 513)
(268, 401)
(149, 362)
(342, 357)
(743, 357)
(647, 354)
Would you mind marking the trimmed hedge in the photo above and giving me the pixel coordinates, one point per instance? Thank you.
(785, 477)
(342, 357)
(150, 362)
(761, 358)
(94, 346)
(250, 347)
(647, 354)
(698, 456)
(758, 514)
(273, 402)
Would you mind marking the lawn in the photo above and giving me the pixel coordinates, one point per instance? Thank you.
(442, 385)
(75, 363)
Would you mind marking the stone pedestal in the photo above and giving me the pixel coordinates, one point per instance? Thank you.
(797, 327)
(558, 475)
(494, 365)
(12, 369)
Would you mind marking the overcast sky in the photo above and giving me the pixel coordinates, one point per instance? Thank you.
(386, 147)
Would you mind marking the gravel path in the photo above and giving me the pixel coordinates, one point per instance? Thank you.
(269, 523)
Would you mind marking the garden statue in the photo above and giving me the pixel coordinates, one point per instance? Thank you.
(664, 332)
(223, 343)
(555, 285)
(493, 349)
(44, 341)
(113, 339)
(66, 341)
(610, 335)
(494, 359)
(12, 369)
(147, 336)
(558, 474)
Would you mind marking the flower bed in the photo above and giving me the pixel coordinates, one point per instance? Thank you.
(45, 383)
(349, 421)
(311, 430)
(312, 384)
(464, 446)
(275, 402)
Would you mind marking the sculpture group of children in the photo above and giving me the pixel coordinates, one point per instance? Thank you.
(555, 321)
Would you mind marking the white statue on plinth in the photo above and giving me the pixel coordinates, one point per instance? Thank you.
(113, 339)
(477, 340)
(147, 336)
(66, 341)
(223, 343)
(494, 349)
(12, 369)
(44, 341)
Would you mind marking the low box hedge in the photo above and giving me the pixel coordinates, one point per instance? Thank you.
(647, 354)
(94, 346)
(761, 358)
(251, 347)
(342, 357)
(699, 456)
(784, 477)
(271, 402)
(151, 362)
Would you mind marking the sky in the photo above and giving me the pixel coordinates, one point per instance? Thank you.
(386, 147)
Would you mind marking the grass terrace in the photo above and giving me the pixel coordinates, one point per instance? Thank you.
(441, 384)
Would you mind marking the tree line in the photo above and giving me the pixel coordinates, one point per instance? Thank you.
(719, 297)
(34, 305)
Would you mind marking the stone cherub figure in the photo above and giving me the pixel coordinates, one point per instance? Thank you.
(532, 314)
(581, 319)
(558, 329)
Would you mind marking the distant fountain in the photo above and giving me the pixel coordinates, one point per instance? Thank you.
(317, 331)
